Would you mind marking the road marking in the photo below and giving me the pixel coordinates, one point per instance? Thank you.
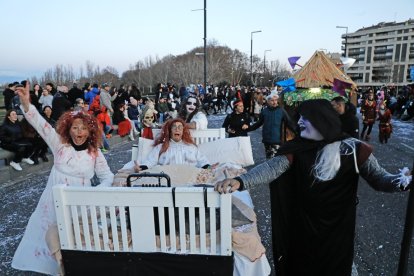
(411, 148)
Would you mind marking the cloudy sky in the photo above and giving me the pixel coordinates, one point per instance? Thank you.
(36, 35)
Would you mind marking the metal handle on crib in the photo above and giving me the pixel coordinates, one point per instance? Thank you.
(141, 175)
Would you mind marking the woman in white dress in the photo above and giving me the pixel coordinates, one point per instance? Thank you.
(174, 146)
(75, 147)
(192, 113)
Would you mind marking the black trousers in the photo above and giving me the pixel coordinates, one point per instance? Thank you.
(21, 149)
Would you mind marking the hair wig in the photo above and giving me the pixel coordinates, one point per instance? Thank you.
(65, 122)
(164, 137)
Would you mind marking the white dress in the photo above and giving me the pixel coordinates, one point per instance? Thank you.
(71, 167)
(177, 153)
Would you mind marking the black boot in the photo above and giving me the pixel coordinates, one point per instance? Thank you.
(44, 158)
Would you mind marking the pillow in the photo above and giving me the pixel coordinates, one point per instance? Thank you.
(236, 150)
(145, 146)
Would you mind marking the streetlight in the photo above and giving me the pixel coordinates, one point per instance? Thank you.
(346, 36)
(251, 52)
(205, 43)
(264, 60)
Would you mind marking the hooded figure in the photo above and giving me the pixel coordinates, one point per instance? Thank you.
(313, 190)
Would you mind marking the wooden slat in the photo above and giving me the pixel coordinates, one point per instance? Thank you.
(124, 232)
(161, 223)
(95, 228)
(183, 244)
(173, 236)
(85, 225)
(104, 227)
(114, 228)
(192, 230)
(203, 240)
(76, 226)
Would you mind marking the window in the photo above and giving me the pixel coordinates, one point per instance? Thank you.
(397, 53)
(403, 51)
(367, 77)
(369, 55)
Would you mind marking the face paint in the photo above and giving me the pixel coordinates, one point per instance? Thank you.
(191, 105)
(79, 132)
(308, 131)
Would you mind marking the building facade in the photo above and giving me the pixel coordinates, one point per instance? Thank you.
(384, 54)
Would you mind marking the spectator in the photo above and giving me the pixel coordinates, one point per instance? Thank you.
(8, 94)
(106, 99)
(162, 108)
(47, 114)
(275, 122)
(12, 139)
(45, 99)
(238, 122)
(51, 88)
(124, 124)
(75, 93)
(346, 111)
(60, 102)
(91, 94)
(134, 92)
(134, 111)
(80, 105)
(35, 95)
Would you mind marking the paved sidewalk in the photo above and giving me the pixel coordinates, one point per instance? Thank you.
(8, 175)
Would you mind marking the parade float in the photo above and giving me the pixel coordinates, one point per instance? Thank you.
(320, 77)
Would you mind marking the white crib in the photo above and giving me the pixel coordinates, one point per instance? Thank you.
(114, 230)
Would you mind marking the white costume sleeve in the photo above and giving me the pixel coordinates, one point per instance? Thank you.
(45, 130)
(102, 170)
(201, 120)
(152, 158)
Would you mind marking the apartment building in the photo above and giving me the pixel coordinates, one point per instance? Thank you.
(384, 54)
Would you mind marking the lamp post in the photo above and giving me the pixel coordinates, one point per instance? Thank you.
(264, 60)
(251, 53)
(205, 43)
(346, 36)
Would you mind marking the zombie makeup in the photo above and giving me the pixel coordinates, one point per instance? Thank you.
(308, 131)
(191, 105)
(79, 132)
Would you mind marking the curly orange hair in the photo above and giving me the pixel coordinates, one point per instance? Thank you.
(65, 122)
(164, 137)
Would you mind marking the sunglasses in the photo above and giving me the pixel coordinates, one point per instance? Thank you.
(191, 103)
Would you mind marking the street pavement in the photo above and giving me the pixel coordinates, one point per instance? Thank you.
(380, 216)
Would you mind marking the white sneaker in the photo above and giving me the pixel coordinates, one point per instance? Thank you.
(136, 132)
(131, 137)
(28, 161)
(16, 166)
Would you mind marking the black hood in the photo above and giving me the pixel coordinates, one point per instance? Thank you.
(323, 117)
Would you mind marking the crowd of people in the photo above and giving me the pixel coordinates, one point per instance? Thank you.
(318, 151)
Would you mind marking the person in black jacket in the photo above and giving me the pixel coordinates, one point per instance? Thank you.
(237, 123)
(347, 115)
(9, 94)
(61, 102)
(12, 139)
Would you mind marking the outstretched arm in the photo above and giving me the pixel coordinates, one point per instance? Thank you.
(381, 180)
(263, 173)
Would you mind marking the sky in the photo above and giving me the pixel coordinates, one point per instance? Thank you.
(37, 35)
